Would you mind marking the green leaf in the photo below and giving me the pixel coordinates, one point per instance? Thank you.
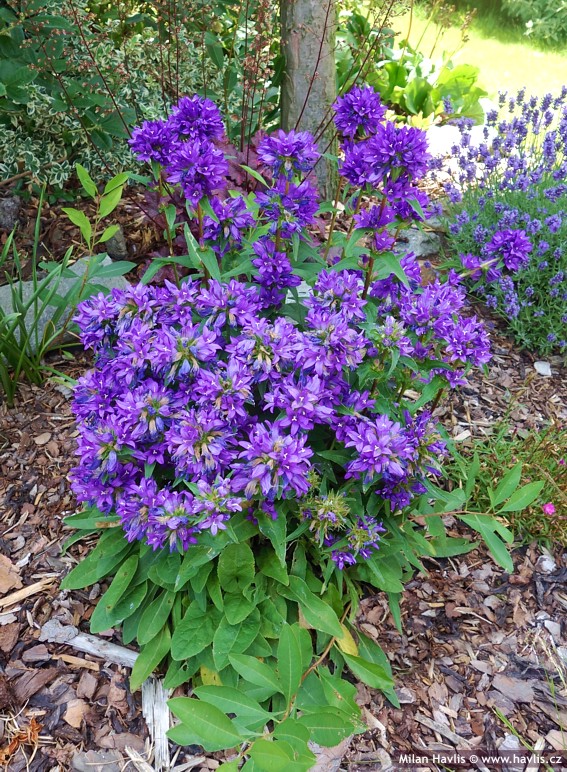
(130, 603)
(486, 526)
(508, 484)
(194, 558)
(155, 617)
(340, 693)
(289, 662)
(236, 568)
(110, 201)
(255, 174)
(395, 610)
(387, 264)
(270, 566)
(317, 613)
(150, 657)
(86, 181)
(114, 269)
(202, 724)
(299, 756)
(214, 49)
(370, 673)
(234, 638)
(117, 181)
(237, 608)
(291, 730)
(209, 259)
(170, 212)
(387, 576)
(251, 669)
(275, 530)
(194, 633)
(108, 233)
(165, 568)
(371, 651)
(231, 700)
(110, 551)
(79, 219)
(100, 619)
(472, 474)
(328, 726)
(523, 497)
(180, 672)
(277, 756)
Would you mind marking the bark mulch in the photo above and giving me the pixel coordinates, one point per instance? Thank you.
(479, 648)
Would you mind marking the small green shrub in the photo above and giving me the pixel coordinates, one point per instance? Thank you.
(543, 20)
(416, 87)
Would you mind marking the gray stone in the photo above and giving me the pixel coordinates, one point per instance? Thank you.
(116, 246)
(543, 368)
(421, 243)
(9, 212)
(65, 285)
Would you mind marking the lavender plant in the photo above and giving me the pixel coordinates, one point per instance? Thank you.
(256, 441)
(508, 222)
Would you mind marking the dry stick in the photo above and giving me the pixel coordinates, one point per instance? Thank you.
(244, 108)
(177, 16)
(333, 219)
(328, 117)
(256, 70)
(97, 68)
(257, 65)
(161, 64)
(169, 47)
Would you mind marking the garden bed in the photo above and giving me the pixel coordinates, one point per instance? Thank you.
(476, 642)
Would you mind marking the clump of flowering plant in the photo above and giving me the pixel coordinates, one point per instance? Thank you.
(508, 220)
(259, 432)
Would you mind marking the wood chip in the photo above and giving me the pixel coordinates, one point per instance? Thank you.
(9, 576)
(69, 659)
(9, 637)
(43, 438)
(158, 718)
(557, 740)
(32, 681)
(75, 713)
(458, 741)
(513, 688)
(87, 685)
(26, 592)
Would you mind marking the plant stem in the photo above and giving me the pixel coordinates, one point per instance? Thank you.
(333, 220)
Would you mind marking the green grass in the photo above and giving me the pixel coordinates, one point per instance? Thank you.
(543, 456)
(507, 60)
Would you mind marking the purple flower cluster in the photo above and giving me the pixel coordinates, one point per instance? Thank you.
(221, 404)
(383, 159)
(289, 154)
(222, 399)
(184, 145)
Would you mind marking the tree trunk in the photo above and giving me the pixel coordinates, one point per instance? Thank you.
(309, 85)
